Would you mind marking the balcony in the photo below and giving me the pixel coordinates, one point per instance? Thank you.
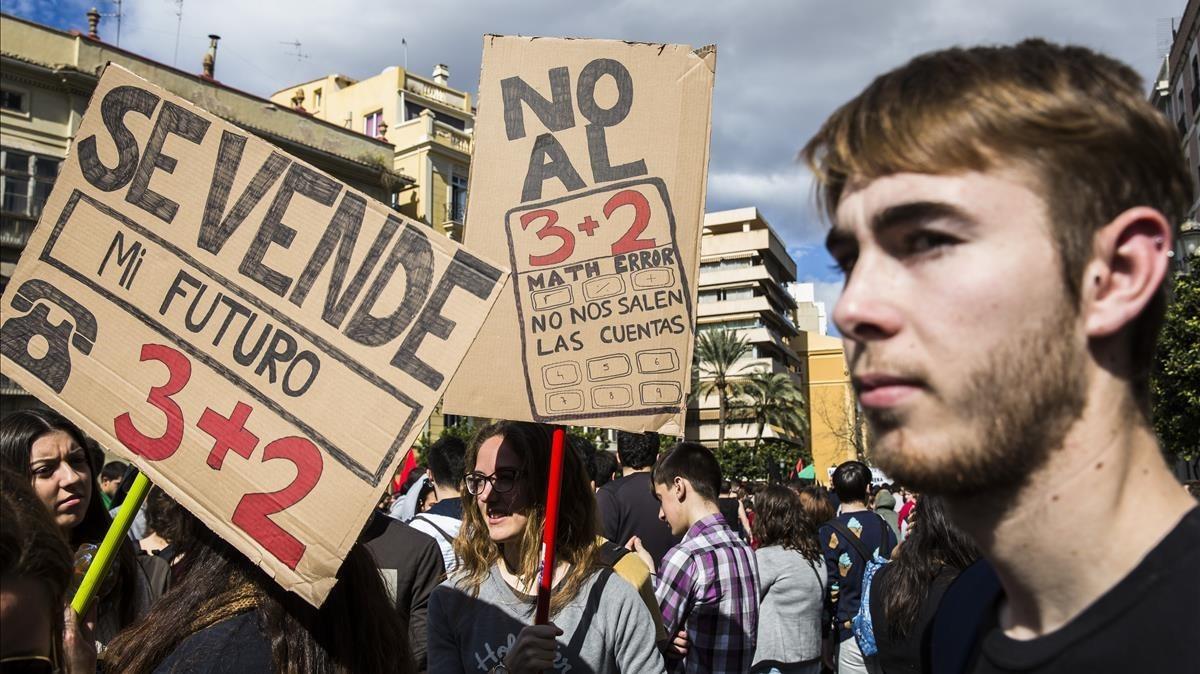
(426, 129)
(436, 92)
(763, 240)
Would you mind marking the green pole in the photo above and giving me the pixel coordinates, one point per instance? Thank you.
(112, 543)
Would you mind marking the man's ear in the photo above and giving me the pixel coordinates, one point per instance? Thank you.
(1130, 260)
(680, 488)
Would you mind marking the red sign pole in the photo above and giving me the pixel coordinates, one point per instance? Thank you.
(553, 494)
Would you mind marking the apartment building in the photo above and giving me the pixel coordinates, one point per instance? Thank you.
(428, 122)
(744, 270)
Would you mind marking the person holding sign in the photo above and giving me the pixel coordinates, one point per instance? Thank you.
(481, 618)
(51, 451)
(227, 615)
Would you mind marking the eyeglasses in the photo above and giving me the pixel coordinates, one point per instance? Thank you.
(502, 481)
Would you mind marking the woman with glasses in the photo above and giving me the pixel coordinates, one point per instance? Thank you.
(52, 453)
(482, 617)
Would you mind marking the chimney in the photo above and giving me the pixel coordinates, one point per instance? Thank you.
(210, 58)
(93, 17)
(441, 74)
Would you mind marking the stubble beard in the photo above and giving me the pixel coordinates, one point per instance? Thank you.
(1013, 412)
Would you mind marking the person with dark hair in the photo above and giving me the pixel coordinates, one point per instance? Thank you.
(1005, 218)
(600, 466)
(791, 574)
(226, 614)
(627, 505)
(481, 618)
(905, 594)
(815, 501)
(848, 541)
(442, 520)
(110, 480)
(38, 635)
(707, 586)
(51, 452)
(410, 563)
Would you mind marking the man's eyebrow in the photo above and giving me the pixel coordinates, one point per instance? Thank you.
(916, 213)
(905, 214)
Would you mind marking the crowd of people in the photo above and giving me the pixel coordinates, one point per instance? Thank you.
(1045, 532)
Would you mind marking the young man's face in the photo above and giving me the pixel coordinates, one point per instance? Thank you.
(670, 507)
(965, 351)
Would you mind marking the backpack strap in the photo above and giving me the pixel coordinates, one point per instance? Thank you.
(426, 520)
(966, 608)
(853, 540)
(610, 553)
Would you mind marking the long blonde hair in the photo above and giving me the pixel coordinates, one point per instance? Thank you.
(575, 540)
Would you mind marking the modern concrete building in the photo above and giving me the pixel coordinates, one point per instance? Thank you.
(427, 121)
(744, 269)
(46, 79)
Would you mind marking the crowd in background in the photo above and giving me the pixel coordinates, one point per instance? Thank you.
(662, 565)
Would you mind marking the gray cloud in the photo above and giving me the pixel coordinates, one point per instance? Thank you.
(783, 65)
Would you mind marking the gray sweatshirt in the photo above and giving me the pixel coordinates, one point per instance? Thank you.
(789, 613)
(606, 628)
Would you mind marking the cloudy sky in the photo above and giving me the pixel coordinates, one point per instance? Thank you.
(782, 67)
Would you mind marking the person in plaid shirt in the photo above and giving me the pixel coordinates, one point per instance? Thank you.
(707, 585)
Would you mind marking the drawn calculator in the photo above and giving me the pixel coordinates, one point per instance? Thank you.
(603, 302)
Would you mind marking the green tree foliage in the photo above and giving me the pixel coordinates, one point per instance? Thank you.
(1175, 382)
(772, 461)
(717, 352)
(772, 398)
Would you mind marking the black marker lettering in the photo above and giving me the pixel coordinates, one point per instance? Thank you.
(172, 119)
(467, 272)
(215, 231)
(299, 180)
(556, 114)
(414, 253)
(548, 160)
(116, 103)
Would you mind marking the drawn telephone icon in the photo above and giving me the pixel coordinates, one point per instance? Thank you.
(54, 368)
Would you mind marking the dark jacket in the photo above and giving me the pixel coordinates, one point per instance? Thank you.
(628, 508)
(411, 564)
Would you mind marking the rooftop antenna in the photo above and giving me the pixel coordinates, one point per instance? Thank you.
(116, 15)
(404, 43)
(178, 28)
(300, 55)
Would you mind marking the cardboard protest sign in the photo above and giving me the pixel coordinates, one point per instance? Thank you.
(264, 342)
(589, 173)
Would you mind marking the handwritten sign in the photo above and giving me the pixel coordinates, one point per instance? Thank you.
(589, 170)
(262, 340)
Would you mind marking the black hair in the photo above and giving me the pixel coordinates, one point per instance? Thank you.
(693, 462)
(934, 543)
(18, 433)
(851, 481)
(600, 467)
(446, 461)
(113, 470)
(637, 450)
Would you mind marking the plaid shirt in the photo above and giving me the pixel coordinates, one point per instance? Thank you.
(709, 584)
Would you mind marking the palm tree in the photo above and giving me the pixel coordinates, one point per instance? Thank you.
(717, 351)
(773, 398)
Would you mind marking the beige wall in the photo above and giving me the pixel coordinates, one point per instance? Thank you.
(832, 416)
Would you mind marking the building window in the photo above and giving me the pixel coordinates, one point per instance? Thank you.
(458, 198)
(371, 123)
(1195, 84)
(316, 98)
(27, 181)
(12, 100)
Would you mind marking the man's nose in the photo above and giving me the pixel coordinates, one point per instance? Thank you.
(867, 309)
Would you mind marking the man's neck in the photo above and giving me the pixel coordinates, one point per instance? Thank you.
(444, 493)
(626, 472)
(852, 506)
(699, 509)
(1079, 523)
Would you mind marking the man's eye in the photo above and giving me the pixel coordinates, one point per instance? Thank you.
(844, 263)
(923, 242)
